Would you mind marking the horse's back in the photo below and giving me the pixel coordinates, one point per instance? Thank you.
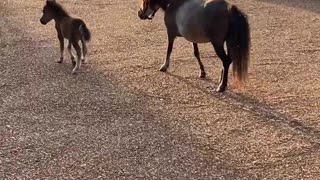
(216, 6)
(189, 20)
(197, 18)
(217, 14)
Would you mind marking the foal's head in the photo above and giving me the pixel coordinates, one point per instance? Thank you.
(148, 8)
(52, 10)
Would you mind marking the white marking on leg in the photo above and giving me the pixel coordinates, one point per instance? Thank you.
(70, 52)
(77, 67)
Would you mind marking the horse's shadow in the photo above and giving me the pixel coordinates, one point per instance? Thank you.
(265, 112)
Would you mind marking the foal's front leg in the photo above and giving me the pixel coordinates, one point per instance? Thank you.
(61, 40)
(171, 39)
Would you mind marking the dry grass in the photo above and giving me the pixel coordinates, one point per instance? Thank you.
(120, 118)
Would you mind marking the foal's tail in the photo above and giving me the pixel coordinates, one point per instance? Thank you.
(238, 43)
(86, 35)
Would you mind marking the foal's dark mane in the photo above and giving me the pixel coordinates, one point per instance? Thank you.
(57, 8)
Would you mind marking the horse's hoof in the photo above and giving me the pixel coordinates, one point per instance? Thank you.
(163, 69)
(221, 89)
(202, 75)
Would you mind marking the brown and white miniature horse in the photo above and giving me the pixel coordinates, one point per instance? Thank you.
(67, 27)
(204, 21)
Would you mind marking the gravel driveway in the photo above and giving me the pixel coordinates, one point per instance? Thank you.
(120, 118)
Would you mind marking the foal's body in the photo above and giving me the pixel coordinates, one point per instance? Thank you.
(72, 29)
(65, 30)
(203, 21)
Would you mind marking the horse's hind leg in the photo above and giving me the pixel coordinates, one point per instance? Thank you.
(165, 66)
(71, 55)
(226, 61)
(197, 55)
(84, 52)
(78, 62)
(61, 40)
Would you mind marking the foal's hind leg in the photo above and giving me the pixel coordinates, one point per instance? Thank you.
(61, 40)
(226, 61)
(71, 55)
(78, 62)
(84, 52)
(197, 55)
(165, 66)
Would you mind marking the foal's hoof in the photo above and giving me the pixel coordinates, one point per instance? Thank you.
(60, 60)
(202, 75)
(163, 69)
(75, 72)
(84, 61)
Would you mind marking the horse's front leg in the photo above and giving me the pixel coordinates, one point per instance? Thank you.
(61, 40)
(171, 39)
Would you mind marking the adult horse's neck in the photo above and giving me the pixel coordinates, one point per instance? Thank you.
(164, 4)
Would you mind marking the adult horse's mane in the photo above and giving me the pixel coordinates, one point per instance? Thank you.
(57, 8)
(164, 3)
(174, 2)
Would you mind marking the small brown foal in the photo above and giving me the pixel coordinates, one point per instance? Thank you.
(70, 28)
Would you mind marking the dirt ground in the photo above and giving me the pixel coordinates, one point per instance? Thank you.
(120, 118)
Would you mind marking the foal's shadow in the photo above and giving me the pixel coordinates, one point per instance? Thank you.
(260, 109)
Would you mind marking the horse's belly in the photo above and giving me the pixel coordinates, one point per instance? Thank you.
(189, 20)
(195, 36)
